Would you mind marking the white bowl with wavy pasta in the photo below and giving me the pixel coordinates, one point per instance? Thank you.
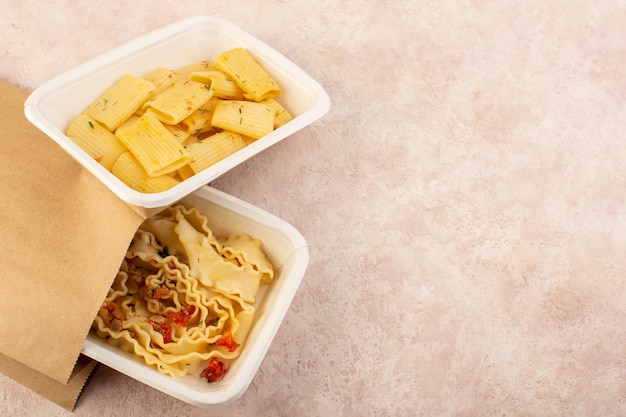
(288, 252)
(52, 106)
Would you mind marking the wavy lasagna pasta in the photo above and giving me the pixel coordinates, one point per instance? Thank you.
(183, 297)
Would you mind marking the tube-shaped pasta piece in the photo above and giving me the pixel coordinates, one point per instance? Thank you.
(132, 119)
(184, 72)
(223, 86)
(131, 173)
(245, 117)
(179, 133)
(213, 149)
(120, 101)
(249, 75)
(281, 115)
(153, 145)
(161, 78)
(200, 120)
(179, 100)
(186, 172)
(96, 140)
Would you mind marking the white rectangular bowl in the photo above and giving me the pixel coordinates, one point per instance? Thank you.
(288, 252)
(52, 106)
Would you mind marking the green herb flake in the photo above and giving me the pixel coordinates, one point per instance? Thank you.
(91, 124)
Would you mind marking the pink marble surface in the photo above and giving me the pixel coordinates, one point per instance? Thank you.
(463, 201)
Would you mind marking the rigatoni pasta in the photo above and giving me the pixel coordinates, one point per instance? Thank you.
(208, 109)
(128, 169)
(248, 74)
(245, 117)
(178, 132)
(281, 115)
(187, 70)
(200, 120)
(120, 101)
(96, 140)
(213, 149)
(223, 86)
(179, 100)
(161, 78)
(153, 145)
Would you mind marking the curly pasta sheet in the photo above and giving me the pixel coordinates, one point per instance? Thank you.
(182, 296)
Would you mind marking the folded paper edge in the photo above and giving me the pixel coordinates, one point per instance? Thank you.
(64, 395)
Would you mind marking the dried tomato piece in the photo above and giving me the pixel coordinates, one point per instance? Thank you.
(116, 318)
(214, 371)
(182, 317)
(228, 341)
(163, 328)
(160, 293)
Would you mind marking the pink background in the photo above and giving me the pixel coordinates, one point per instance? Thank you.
(464, 203)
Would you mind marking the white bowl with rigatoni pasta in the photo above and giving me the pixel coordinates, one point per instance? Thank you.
(127, 164)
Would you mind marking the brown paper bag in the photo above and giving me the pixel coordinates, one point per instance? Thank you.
(63, 235)
(64, 395)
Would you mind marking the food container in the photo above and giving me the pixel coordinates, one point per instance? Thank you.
(52, 106)
(55, 104)
(288, 252)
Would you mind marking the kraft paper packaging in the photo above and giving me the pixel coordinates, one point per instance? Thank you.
(64, 395)
(63, 235)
